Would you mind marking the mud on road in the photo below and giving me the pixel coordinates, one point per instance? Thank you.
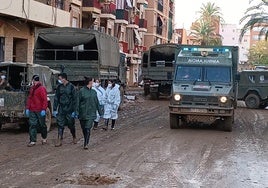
(143, 152)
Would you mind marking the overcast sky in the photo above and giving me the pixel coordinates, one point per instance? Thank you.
(186, 11)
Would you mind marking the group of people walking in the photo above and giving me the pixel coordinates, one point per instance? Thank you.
(91, 103)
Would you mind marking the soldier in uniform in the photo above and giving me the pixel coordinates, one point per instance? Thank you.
(36, 111)
(64, 107)
(87, 105)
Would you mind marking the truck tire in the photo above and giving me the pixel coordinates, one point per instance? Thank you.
(48, 119)
(173, 121)
(146, 91)
(252, 101)
(154, 96)
(228, 124)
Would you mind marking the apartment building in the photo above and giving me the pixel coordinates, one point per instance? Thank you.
(124, 19)
(230, 36)
(19, 20)
(160, 16)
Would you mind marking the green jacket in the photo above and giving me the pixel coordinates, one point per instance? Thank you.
(65, 99)
(87, 104)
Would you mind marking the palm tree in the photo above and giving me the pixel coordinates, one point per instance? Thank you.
(204, 29)
(211, 13)
(204, 34)
(256, 16)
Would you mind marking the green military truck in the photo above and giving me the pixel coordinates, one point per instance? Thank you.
(253, 88)
(204, 86)
(158, 69)
(80, 52)
(13, 100)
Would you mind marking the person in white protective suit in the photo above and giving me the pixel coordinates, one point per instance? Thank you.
(101, 97)
(112, 104)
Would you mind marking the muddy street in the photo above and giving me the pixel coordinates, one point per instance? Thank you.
(142, 152)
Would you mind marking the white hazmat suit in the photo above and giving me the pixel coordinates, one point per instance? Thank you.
(112, 102)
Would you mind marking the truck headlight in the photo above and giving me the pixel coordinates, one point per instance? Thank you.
(223, 99)
(177, 97)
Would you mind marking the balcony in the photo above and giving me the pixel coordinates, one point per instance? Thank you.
(121, 16)
(76, 2)
(123, 46)
(143, 25)
(108, 10)
(134, 22)
(91, 6)
(142, 2)
(60, 18)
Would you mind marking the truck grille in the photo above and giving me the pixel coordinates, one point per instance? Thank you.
(200, 100)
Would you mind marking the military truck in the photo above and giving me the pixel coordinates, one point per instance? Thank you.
(13, 100)
(253, 88)
(79, 53)
(158, 69)
(204, 86)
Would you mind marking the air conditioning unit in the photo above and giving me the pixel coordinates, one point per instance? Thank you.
(102, 29)
(95, 27)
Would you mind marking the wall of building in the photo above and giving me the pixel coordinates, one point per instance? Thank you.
(19, 37)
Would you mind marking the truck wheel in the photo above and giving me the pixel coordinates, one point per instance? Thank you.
(228, 124)
(173, 121)
(154, 96)
(48, 119)
(252, 101)
(146, 90)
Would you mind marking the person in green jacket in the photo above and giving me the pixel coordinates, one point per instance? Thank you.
(87, 105)
(64, 107)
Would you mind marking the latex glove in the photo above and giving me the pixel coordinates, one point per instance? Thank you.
(54, 113)
(74, 115)
(43, 113)
(27, 112)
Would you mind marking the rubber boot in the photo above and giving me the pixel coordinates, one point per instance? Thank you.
(106, 125)
(113, 123)
(74, 135)
(87, 137)
(60, 137)
(95, 126)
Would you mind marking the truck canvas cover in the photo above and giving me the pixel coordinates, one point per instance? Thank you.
(82, 52)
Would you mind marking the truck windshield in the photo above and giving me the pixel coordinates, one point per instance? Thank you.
(217, 74)
(188, 73)
(196, 73)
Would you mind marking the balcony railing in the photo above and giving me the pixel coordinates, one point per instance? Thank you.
(124, 46)
(122, 14)
(108, 8)
(143, 23)
(92, 3)
(135, 20)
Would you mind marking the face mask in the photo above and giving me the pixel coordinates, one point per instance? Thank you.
(109, 85)
(60, 82)
(3, 77)
(97, 84)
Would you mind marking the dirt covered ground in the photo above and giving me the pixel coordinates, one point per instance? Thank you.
(142, 152)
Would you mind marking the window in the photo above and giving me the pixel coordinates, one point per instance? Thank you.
(263, 79)
(74, 22)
